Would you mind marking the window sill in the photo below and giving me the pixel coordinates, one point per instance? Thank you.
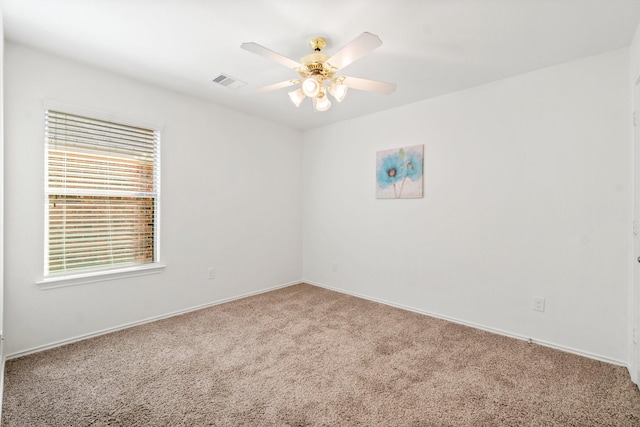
(53, 282)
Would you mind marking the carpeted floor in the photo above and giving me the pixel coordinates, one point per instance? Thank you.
(306, 356)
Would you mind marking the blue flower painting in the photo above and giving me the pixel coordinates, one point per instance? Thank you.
(399, 173)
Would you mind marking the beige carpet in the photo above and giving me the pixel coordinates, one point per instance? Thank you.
(305, 356)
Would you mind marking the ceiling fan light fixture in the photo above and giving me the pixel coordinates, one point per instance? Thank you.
(317, 71)
(310, 87)
(321, 102)
(297, 96)
(338, 91)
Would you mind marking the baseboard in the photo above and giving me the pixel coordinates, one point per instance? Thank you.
(140, 322)
(476, 325)
(355, 294)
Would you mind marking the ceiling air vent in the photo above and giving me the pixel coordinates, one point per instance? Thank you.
(228, 81)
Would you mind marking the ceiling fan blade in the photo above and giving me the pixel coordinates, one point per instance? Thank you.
(269, 54)
(369, 85)
(277, 86)
(356, 49)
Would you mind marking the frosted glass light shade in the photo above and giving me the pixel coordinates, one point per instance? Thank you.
(339, 91)
(310, 87)
(321, 102)
(297, 96)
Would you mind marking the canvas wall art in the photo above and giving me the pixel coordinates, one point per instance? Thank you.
(399, 173)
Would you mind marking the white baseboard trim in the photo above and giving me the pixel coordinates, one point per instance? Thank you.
(476, 325)
(140, 322)
(320, 285)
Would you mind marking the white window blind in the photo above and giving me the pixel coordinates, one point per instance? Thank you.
(102, 193)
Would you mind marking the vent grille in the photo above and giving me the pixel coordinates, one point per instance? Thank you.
(228, 81)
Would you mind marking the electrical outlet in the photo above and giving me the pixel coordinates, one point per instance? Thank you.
(334, 267)
(212, 273)
(538, 303)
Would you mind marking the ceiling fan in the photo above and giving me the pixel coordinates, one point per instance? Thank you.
(318, 71)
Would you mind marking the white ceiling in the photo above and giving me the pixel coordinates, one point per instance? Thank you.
(430, 47)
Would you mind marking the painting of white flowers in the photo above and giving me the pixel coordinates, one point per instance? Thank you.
(399, 173)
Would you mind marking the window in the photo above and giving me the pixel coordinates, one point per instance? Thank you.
(102, 194)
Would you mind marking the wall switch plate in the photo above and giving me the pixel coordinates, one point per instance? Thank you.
(212, 273)
(538, 303)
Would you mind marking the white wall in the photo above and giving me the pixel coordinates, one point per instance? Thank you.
(634, 297)
(2, 348)
(634, 55)
(527, 193)
(231, 198)
(1, 181)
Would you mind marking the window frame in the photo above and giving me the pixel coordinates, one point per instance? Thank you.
(99, 274)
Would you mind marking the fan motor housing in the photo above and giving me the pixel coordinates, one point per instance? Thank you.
(315, 65)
